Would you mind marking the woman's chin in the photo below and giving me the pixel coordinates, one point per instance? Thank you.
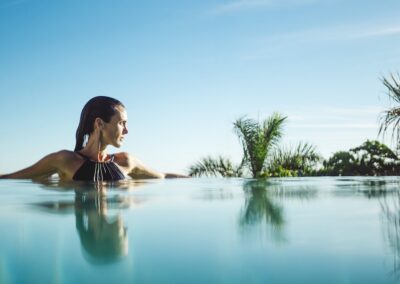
(117, 144)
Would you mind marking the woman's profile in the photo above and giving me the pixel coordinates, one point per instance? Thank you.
(103, 122)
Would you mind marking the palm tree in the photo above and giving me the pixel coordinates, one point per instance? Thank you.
(391, 116)
(258, 140)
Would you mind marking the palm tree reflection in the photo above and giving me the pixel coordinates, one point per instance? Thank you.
(259, 206)
(390, 206)
(263, 204)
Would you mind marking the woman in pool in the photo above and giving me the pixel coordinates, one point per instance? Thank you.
(102, 123)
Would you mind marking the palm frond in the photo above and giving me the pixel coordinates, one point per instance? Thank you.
(308, 152)
(219, 166)
(247, 131)
(301, 158)
(390, 118)
(272, 129)
(393, 86)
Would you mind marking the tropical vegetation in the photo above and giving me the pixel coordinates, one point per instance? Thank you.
(263, 156)
(300, 160)
(372, 158)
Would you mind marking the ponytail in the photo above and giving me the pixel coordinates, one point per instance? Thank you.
(79, 140)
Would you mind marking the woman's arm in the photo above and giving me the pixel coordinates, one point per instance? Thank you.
(172, 175)
(139, 171)
(43, 168)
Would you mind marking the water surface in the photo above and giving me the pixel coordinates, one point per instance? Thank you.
(297, 230)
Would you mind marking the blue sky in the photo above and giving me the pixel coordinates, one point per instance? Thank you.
(187, 69)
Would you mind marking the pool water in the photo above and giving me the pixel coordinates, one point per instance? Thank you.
(297, 230)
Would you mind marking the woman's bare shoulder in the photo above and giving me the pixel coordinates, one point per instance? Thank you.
(58, 162)
(124, 159)
(65, 154)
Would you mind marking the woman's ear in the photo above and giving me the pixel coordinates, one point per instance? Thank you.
(98, 123)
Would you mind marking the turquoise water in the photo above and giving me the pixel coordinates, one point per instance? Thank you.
(302, 230)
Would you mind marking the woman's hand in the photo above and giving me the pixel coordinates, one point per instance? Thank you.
(171, 175)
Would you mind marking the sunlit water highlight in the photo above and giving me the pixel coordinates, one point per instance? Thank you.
(303, 230)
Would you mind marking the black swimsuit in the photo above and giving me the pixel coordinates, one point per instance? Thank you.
(98, 171)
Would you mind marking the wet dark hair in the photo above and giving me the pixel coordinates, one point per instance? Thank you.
(102, 107)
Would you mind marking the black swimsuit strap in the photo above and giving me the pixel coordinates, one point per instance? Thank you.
(87, 158)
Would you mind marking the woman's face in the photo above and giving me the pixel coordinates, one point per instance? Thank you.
(115, 130)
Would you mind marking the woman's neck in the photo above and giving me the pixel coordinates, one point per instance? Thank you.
(95, 150)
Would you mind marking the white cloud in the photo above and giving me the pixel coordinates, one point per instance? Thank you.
(352, 111)
(382, 31)
(335, 114)
(336, 125)
(263, 46)
(240, 5)
(10, 3)
(335, 118)
(348, 32)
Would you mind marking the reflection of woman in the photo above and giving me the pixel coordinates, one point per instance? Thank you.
(103, 122)
(102, 239)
